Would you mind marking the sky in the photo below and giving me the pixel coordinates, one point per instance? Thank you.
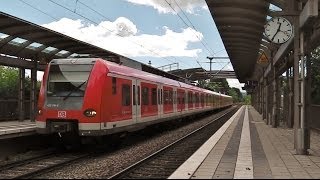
(160, 31)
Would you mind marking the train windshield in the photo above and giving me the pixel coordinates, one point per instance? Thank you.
(68, 80)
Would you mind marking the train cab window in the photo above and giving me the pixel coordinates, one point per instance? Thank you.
(154, 96)
(145, 96)
(114, 85)
(125, 95)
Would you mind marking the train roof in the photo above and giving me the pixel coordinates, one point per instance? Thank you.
(128, 71)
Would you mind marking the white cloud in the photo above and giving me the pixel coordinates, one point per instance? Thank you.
(162, 6)
(235, 83)
(106, 35)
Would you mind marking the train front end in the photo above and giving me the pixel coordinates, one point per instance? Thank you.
(68, 100)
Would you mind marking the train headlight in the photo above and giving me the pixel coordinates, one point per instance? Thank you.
(90, 113)
(40, 112)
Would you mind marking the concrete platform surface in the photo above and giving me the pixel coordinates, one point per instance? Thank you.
(246, 148)
(10, 129)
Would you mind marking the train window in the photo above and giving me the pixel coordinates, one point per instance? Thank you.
(170, 96)
(202, 99)
(138, 95)
(145, 96)
(114, 85)
(125, 95)
(134, 94)
(158, 96)
(190, 98)
(183, 99)
(154, 96)
(161, 97)
(175, 97)
(166, 96)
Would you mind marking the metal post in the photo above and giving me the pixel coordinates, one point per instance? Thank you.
(21, 94)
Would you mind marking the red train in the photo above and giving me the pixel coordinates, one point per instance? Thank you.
(94, 97)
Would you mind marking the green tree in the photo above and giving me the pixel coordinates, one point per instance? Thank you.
(247, 99)
(8, 81)
(236, 94)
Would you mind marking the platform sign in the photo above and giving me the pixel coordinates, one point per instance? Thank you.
(263, 59)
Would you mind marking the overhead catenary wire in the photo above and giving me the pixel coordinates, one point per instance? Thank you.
(117, 34)
(193, 27)
(30, 5)
(210, 51)
(74, 11)
(188, 26)
(97, 12)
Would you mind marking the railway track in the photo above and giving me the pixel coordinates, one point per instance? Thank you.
(164, 162)
(39, 165)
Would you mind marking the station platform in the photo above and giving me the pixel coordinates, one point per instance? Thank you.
(245, 147)
(11, 129)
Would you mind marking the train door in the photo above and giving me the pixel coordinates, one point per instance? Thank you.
(160, 100)
(136, 100)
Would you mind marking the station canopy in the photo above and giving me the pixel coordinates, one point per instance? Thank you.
(195, 74)
(241, 26)
(22, 41)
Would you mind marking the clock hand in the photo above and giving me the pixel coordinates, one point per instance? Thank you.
(276, 32)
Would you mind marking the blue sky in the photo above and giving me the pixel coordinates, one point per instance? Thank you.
(144, 30)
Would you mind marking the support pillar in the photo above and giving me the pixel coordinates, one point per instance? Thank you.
(264, 104)
(261, 98)
(270, 103)
(21, 102)
(33, 89)
(301, 132)
(280, 98)
(276, 100)
(286, 99)
(291, 100)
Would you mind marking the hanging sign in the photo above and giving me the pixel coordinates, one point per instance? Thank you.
(263, 59)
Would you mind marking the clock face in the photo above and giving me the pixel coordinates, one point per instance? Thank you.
(278, 30)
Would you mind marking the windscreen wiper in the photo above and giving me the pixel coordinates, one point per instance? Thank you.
(74, 90)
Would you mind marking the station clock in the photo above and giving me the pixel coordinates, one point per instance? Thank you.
(278, 30)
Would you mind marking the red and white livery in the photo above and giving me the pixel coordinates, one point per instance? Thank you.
(95, 97)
